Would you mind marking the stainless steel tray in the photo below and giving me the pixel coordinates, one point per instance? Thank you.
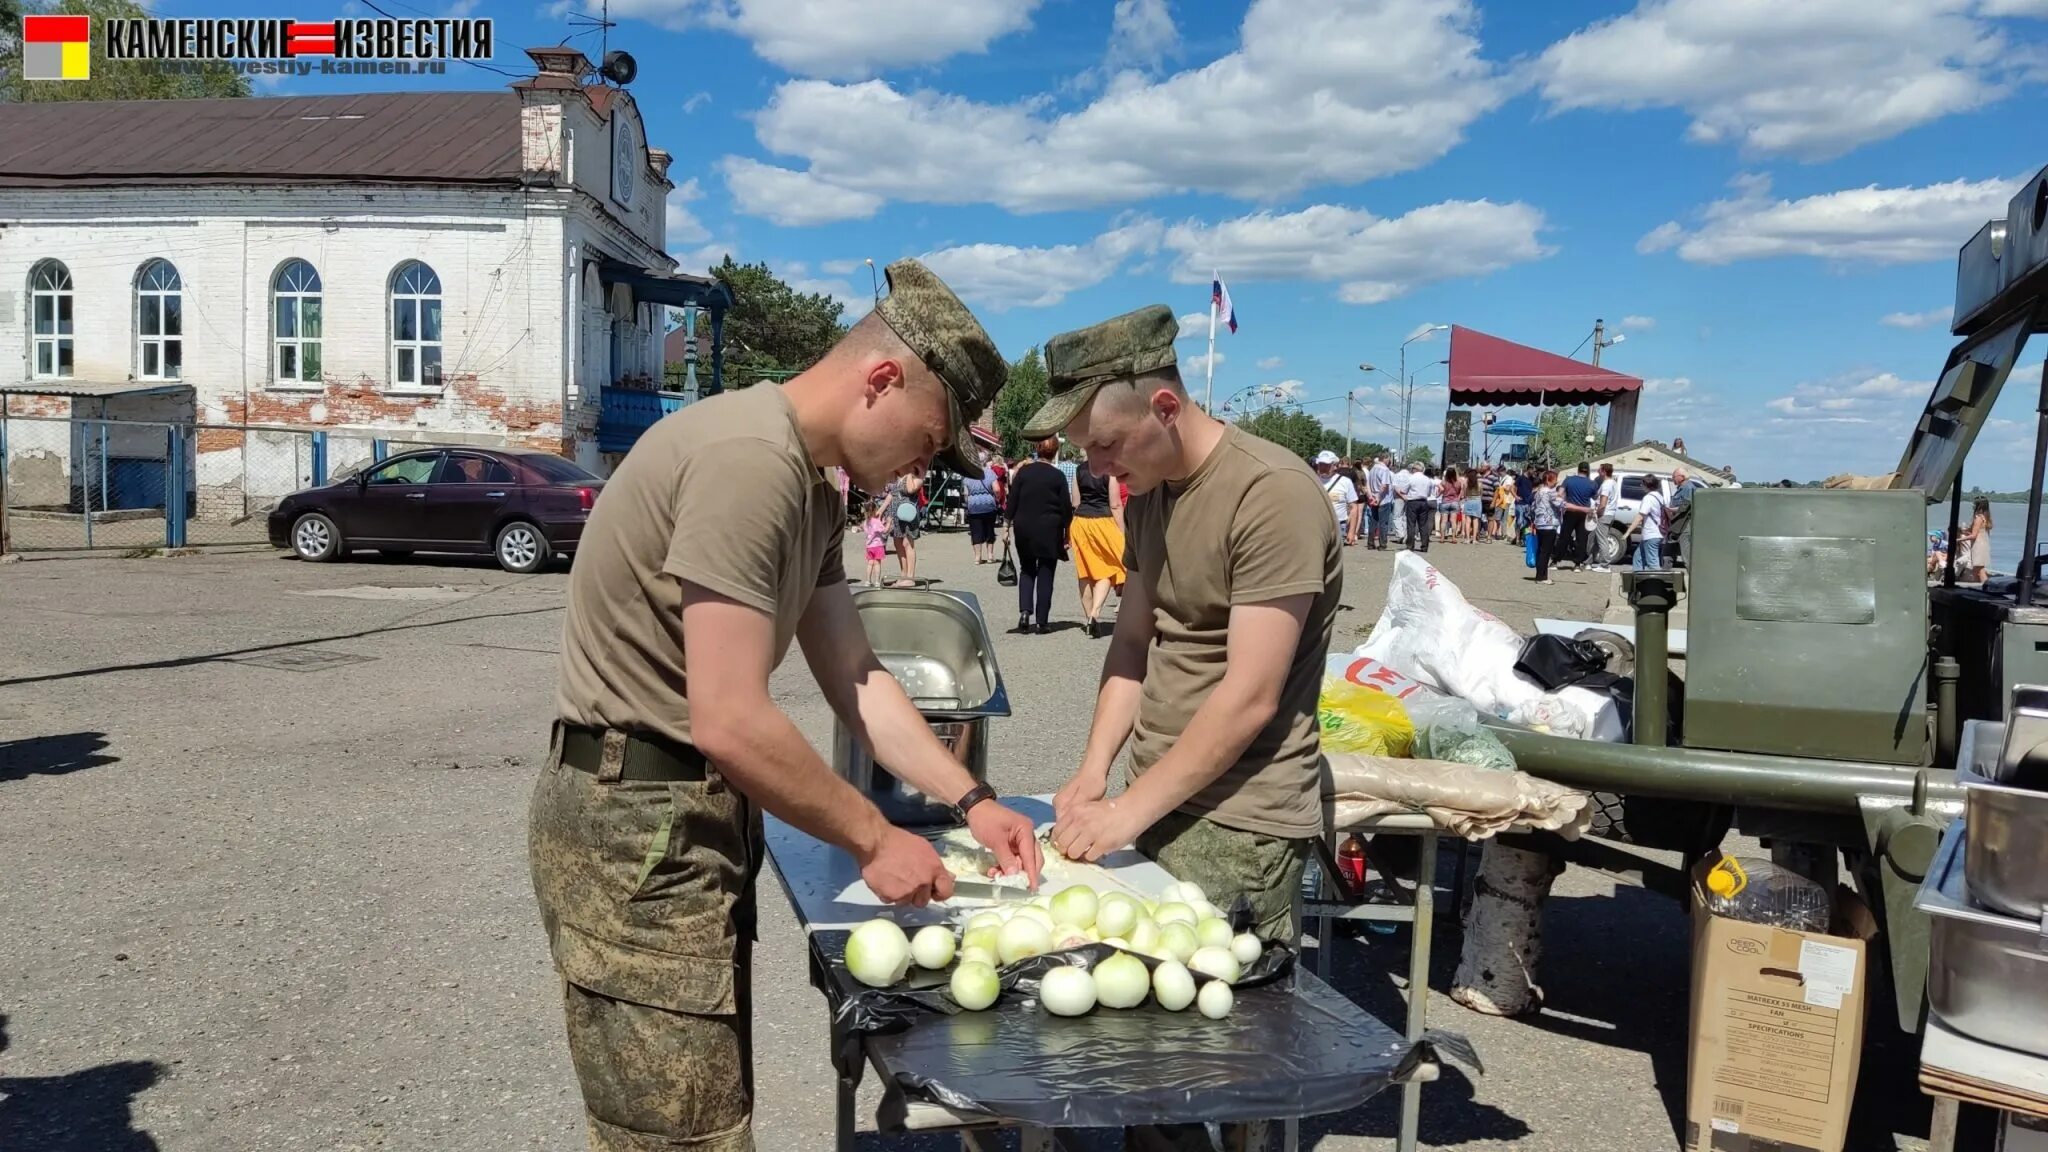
(1987, 973)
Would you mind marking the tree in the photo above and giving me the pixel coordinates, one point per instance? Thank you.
(1561, 443)
(772, 331)
(1419, 454)
(1294, 430)
(1020, 398)
(111, 79)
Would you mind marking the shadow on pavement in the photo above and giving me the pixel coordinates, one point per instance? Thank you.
(52, 756)
(86, 1111)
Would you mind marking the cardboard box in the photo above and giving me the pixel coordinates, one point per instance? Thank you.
(1777, 1033)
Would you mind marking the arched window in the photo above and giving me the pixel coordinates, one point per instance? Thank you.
(295, 319)
(49, 310)
(415, 326)
(159, 322)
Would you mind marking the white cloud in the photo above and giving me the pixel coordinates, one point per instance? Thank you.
(843, 38)
(1003, 276)
(1637, 323)
(1917, 320)
(1271, 362)
(1373, 259)
(792, 198)
(459, 9)
(1667, 386)
(697, 100)
(1194, 367)
(797, 274)
(1869, 224)
(2037, 8)
(1318, 92)
(695, 260)
(1883, 399)
(1811, 78)
(1193, 326)
(1141, 35)
(683, 225)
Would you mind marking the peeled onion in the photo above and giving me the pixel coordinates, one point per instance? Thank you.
(1213, 933)
(1172, 985)
(1217, 962)
(1215, 999)
(878, 953)
(1178, 941)
(974, 985)
(1068, 936)
(1205, 910)
(1021, 937)
(1121, 981)
(1116, 914)
(1075, 905)
(1175, 913)
(1246, 948)
(1145, 937)
(1117, 942)
(1034, 912)
(983, 937)
(932, 947)
(1185, 892)
(990, 919)
(1067, 991)
(972, 954)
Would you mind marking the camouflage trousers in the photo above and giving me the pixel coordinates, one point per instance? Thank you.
(646, 890)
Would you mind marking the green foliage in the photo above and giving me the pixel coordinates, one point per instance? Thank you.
(111, 79)
(1562, 441)
(772, 331)
(1294, 430)
(1021, 396)
(1419, 454)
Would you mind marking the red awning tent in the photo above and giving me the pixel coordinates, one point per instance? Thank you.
(1491, 372)
(985, 437)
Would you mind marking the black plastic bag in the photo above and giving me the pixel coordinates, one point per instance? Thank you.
(1555, 662)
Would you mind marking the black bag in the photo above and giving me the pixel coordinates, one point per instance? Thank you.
(1006, 570)
(1555, 662)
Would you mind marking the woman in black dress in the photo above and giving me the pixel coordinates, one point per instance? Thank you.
(1040, 510)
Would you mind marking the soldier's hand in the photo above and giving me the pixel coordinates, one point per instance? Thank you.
(905, 869)
(1010, 835)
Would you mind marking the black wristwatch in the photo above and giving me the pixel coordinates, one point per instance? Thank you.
(975, 795)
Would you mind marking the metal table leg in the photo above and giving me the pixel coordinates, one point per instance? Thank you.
(843, 1122)
(1418, 984)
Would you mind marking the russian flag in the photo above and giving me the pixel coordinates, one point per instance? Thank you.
(1220, 297)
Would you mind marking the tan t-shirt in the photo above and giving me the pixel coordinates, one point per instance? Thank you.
(722, 494)
(1250, 525)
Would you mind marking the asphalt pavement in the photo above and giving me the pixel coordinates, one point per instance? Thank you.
(263, 831)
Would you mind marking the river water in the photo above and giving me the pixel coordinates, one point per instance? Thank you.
(2008, 525)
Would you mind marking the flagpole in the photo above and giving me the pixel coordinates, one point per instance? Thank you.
(1209, 390)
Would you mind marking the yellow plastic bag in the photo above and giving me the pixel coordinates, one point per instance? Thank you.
(1355, 718)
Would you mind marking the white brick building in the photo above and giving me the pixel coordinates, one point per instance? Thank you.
(443, 267)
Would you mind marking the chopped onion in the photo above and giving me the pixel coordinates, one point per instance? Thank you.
(1116, 914)
(1022, 937)
(878, 953)
(1121, 981)
(1217, 962)
(1067, 991)
(1175, 913)
(1075, 905)
(974, 985)
(1172, 985)
(1246, 948)
(1178, 941)
(932, 947)
(1213, 933)
(1216, 999)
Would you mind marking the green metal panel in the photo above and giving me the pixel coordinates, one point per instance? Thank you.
(1808, 624)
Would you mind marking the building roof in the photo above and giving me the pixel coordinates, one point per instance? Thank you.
(1489, 370)
(390, 137)
(1704, 471)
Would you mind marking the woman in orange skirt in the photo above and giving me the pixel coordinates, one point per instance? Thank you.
(1096, 539)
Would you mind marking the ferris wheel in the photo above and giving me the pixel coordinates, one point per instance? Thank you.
(1257, 398)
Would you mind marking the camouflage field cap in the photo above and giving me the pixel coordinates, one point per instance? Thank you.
(1080, 362)
(928, 317)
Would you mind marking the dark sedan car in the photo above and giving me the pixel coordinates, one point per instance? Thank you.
(522, 507)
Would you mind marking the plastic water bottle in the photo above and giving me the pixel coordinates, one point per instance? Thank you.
(1759, 892)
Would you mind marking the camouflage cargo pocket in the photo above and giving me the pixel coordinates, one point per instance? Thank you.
(1231, 862)
(642, 886)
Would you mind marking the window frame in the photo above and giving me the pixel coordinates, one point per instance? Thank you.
(431, 457)
(62, 338)
(299, 295)
(415, 302)
(148, 287)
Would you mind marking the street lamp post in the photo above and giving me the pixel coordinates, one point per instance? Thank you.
(1407, 385)
(874, 282)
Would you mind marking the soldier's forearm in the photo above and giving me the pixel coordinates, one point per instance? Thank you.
(769, 761)
(893, 729)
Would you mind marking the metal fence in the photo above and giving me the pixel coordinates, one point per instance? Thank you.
(69, 484)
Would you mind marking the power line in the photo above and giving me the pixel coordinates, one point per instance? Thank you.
(371, 5)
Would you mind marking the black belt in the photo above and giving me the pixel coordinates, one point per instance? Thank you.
(647, 758)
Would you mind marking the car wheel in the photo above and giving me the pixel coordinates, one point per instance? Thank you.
(315, 538)
(521, 548)
(1607, 544)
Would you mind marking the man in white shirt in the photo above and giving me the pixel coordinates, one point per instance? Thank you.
(1379, 497)
(1414, 489)
(1651, 517)
(1338, 488)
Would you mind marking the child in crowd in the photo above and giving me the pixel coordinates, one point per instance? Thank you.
(877, 530)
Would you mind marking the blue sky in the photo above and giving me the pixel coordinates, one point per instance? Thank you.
(1764, 197)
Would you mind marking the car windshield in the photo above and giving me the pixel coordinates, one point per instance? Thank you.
(1632, 488)
(557, 470)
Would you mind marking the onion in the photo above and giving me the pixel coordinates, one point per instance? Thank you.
(1034, 912)
(1213, 933)
(1178, 941)
(878, 953)
(1205, 910)
(1216, 999)
(1067, 991)
(1076, 905)
(1172, 985)
(990, 919)
(1068, 936)
(1185, 892)
(1217, 962)
(1175, 913)
(1116, 914)
(983, 938)
(974, 985)
(1145, 937)
(1022, 937)
(1117, 942)
(1246, 948)
(1121, 981)
(932, 947)
(973, 954)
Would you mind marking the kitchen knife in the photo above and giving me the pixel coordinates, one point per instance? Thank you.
(981, 890)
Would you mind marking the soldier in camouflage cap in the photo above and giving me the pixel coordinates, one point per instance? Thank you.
(714, 545)
(1079, 363)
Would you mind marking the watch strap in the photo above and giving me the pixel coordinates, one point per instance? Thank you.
(975, 795)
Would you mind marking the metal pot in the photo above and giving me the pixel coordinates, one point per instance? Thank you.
(2005, 860)
(1987, 973)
